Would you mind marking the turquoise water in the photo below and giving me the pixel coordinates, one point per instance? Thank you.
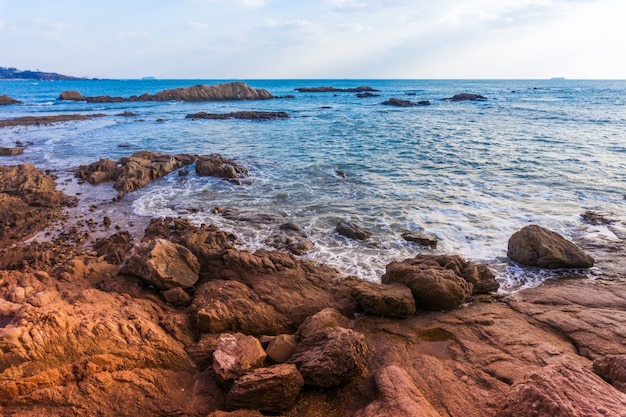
(470, 173)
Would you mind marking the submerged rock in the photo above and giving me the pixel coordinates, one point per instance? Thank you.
(421, 239)
(399, 103)
(46, 120)
(537, 246)
(466, 97)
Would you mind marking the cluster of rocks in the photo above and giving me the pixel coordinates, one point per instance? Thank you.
(46, 120)
(196, 93)
(247, 115)
(404, 103)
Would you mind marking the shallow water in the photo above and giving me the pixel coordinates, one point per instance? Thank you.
(470, 173)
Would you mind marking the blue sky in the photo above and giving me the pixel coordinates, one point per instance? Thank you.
(219, 39)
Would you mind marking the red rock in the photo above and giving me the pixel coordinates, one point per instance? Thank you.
(392, 300)
(326, 318)
(536, 246)
(612, 368)
(272, 390)
(236, 355)
(281, 347)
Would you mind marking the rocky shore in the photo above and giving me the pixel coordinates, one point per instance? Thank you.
(180, 321)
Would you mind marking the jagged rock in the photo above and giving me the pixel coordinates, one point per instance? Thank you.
(466, 97)
(328, 317)
(612, 368)
(331, 357)
(352, 231)
(11, 151)
(248, 216)
(247, 115)
(392, 300)
(236, 355)
(216, 165)
(290, 241)
(113, 248)
(272, 390)
(5, 100)
(537, 246)
(281, 347)
(103, 170)
(397, 396)
(236, 413)
(163, 264)
(421, 239)
(398, 103)
(563, 390)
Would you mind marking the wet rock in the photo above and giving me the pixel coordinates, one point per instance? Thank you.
(466, 97)
(248, 216)
(292, 242)
(281, 347)
(596, 218)
(398, 103)
(326, 318)
(272, 390)
(612, 368)
(235, 355)
(331, 357)
(563, 391)
(163, 264)
(393, 300)
(352, 231)
(11, 151)
(397, 396)
(127, 114)
(421, 239)
(5, 100)
(113, 248)
(423, 103)
(536, 246)
(367, 94)
(246, 115)
(46, 120)
(215, 165)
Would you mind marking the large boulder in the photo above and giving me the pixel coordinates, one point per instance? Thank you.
(236, 355)
(280, 348)
(216, 165)
(4, 100)
(537, 246)
(563, 390)
(273, 390)
(326, 318)
(397, 396)
(612, 368)
(163, 264)
(393, 300)
(331, 357)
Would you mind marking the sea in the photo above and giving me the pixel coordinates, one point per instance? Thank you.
(469, 173)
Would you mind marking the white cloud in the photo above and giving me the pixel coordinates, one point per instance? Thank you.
(198, 25)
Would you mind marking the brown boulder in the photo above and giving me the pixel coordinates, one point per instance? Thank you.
(272, 390)
(163, 264)
(352, 231)
(326, 318)
(392, 300)
(217, 92)
(71, 95)
(11, 151)
(4, 100)
(177, 296)
(563, 391)
(331, 357)
(466, 97)
(397, 396)
(536, 246)
(46, 120)
(612, 368)
(216, 165)
(281, 347)
(114, 248)
(421, 239)
(98, 172)
(236, 355)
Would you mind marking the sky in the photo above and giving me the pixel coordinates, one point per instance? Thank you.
(357, 39)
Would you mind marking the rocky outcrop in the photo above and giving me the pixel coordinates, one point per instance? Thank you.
(215, 165)
(398, 103)
(200, 92)
(563, 391)
(359, 89)
(537, 246)
(272, 390)
(440, 282)
(5, 100)
(113, 248)
(352, 231)
(612, 368)
(28, 202)
(11, 151)
(393, 300)
(466, 97)
(331, 357)
(46, 120)
(247, 115)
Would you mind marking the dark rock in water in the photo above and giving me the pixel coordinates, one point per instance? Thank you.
(367, 94)
(392, 300)
(537, 246)
(466, 97)
(215, 165)
(597, 219)
(248, 115)
(398, 103)
(290, 241)
(360, 89)
(127, 114)
(341, 174)
(11, 151)
(424, 103)
(331, 357)
(272, 390)
(352, 231)
(46, 120)
(200, 92)
(411, 94)
(5, 100)
(421, 239)
(248, 216)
